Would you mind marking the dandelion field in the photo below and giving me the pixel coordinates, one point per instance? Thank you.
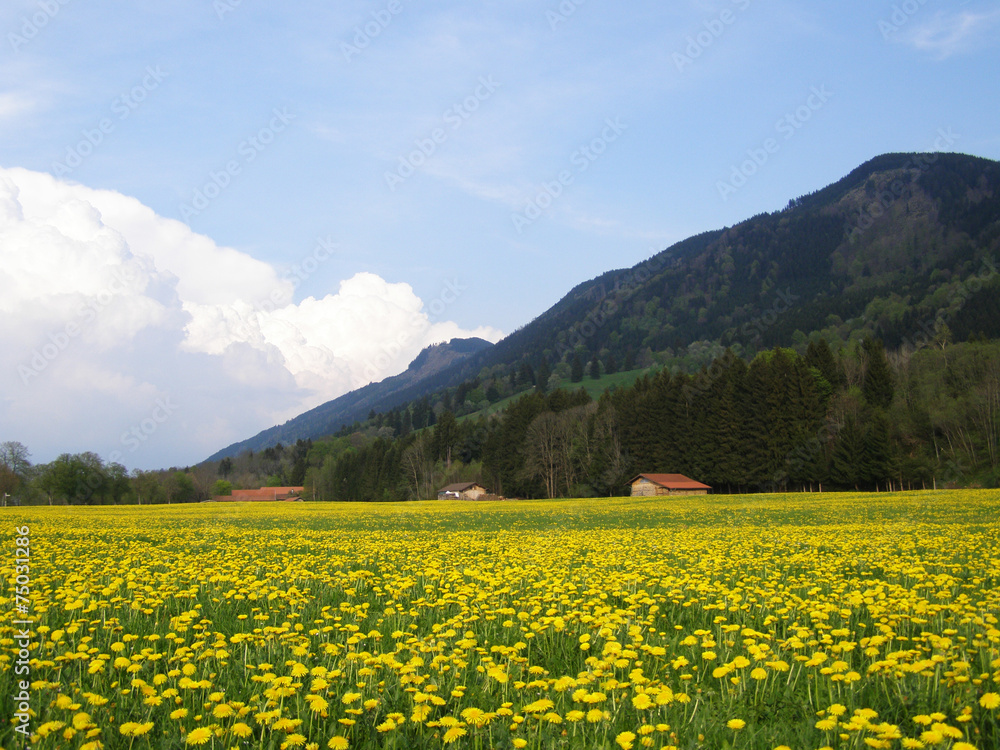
(805, 621)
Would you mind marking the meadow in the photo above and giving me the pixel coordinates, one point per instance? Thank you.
(763, 621)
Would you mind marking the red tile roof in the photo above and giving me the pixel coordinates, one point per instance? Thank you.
(264, 494)
(672, 481)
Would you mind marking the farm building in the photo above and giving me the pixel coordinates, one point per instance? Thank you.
(264, 494)
(462, 491)
(650, 485)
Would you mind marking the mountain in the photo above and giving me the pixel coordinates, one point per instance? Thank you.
(421, 377)
(884, 247)
(902, 248)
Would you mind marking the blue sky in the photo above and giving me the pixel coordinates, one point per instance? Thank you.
(467, 162)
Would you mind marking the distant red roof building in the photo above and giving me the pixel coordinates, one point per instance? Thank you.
(264, 494)
(650, 485)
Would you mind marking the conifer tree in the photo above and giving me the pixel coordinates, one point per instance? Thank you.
(848, 460)
(877, 386)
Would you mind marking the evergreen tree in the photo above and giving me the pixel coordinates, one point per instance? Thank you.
(576, 369)
(820, 356)
(525, 375)
(595, 368)
(610, 364)
(446, 434)
(877, 386)
(542, 376)
(298, 476)
(847, 465)
(877, 451)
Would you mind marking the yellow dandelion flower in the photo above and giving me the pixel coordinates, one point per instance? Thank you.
(286, 724)
(641, 701)
(198, 736)
(49, 727)
(223, 711)
(625, 739)
(453, 734)
(736, 724)
(81, 721)
(63, 701)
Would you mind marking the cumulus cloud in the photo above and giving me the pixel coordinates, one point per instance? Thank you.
(110, 309)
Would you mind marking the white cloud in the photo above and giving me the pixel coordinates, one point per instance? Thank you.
(948, 34)
(13, 104)
(108, 307)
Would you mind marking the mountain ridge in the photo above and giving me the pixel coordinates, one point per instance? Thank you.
(355, 405)
(883, 249)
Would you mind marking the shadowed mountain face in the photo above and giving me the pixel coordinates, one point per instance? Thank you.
(903, 241)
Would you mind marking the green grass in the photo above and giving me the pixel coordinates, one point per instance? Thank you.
(594, 389)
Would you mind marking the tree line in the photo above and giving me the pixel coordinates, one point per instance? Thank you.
(857, 418)
(785, 420)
